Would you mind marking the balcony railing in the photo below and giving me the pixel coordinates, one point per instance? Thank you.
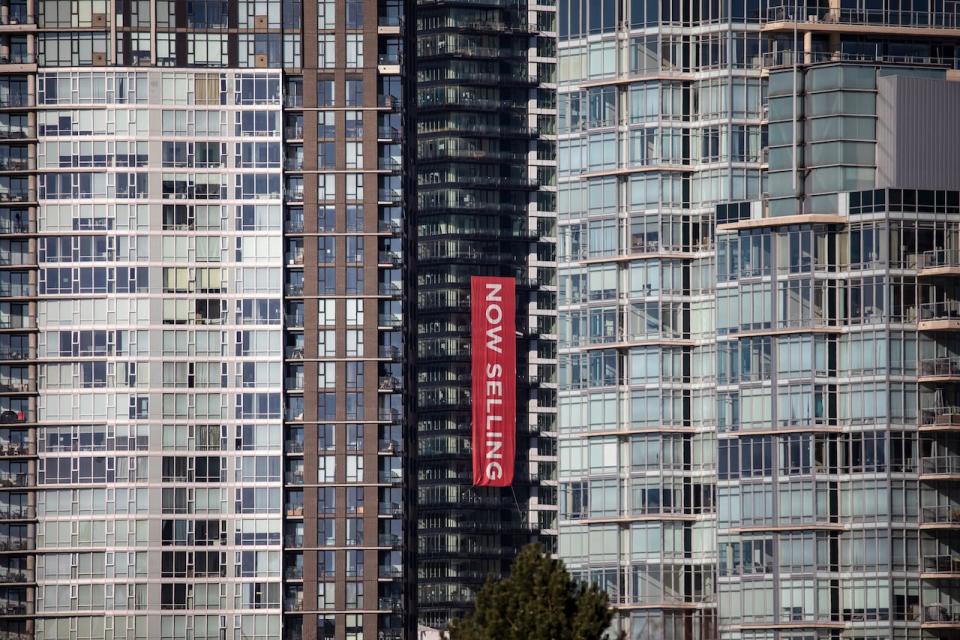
(941, 612)
(786, 58)
(389, 351)
(8, 448)
(15, 164)
(947, 366)
(941, 514)
(18, 513)
(8, 479)
(390, 509)
(944, 416)
(941, 564)
(875, 17)
(940, 464)
(390, 571)
(939, 258)
(16, 544)
(390, 415)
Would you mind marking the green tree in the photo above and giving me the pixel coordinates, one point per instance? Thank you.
(538, 601)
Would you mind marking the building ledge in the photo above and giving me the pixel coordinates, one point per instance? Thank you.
(783, 221)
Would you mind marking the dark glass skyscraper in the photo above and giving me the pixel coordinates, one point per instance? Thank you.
(485, 205)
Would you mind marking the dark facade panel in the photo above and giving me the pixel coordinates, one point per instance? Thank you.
(918, 133)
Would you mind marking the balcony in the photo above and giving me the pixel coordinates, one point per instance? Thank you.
(390, 509)
(8, 479)
(294, 511)
(947, 467)
(392, 258)
(389, 571)
(17, 196)
(16, 133)
(390, 288)
(294, 319)
(940, 418)
(940, 262)
(389, 320)
(390, 195)
(389, 447)
(9, 608)
(17, 322)
(390, 604)
(940, 369)
(855, 20)
(293, 477)
(293, 446)
(14, 576)
(391, 134)
(13, 512)
(15, 15)
(390, 415)
(941, 516)
(391, 225)
(15, 164)
(17, 449)
(390, 383)
(944, 566)
(390, 351)
(941, 614)
(12, 100)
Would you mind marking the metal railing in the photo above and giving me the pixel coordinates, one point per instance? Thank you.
(944, 612)
(947, 366)
(940, 464)
(788, 58)
(938, 258)
(942, 310)
(875, 17)
(941, 514)
(941, 564)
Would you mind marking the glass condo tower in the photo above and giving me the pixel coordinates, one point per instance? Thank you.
(757, 229)
(211, 216)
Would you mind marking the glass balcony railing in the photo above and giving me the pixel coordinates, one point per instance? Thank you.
(293, 446)
(942, 310)
(946, 415)
(388, 446)
(294, 319)
(14, 15)
(15, 100)
(390, 320)
(17, 196)
(946, 366)
(947, 464)
(876, 17)
(15, 576)
(8, 479)
(940, 514)
(389, 571)
(945, 612)
(939, 258)
(17, 512)
(390, 509)
(941, 564)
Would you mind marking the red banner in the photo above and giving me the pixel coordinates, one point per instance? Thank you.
(493, 310)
